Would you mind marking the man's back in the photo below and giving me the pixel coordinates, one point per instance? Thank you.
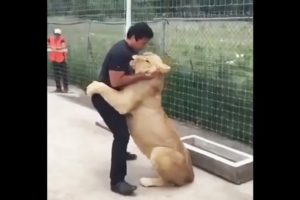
(116, 59)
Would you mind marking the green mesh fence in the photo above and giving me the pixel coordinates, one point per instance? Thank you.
(208, 44)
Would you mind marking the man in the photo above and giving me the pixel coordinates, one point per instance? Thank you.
(58, 57)
(117, 73)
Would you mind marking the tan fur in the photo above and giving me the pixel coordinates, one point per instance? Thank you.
(149, 126)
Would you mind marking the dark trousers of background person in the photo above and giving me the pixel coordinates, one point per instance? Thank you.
(60, 72)
(118, 126)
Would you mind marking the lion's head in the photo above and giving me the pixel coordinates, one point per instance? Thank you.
(148, 63)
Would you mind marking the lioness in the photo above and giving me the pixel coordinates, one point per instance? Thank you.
(149, 126)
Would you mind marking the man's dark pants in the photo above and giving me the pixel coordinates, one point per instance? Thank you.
(60, 72)
(118, 126)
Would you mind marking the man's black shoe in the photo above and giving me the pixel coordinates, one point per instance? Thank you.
(123, 188)
(130, 156)
(57, 91)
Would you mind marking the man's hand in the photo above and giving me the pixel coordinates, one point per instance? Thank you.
(151, 76)
(157, 73)
(119, 79)
(59, 49)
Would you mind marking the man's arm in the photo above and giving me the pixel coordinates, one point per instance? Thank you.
(117, 68)
(119, 79)
(63, 47)
(48, 43)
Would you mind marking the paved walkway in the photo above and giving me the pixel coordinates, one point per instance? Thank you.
(79, 161)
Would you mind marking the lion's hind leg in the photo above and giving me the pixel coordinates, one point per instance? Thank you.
(171, 167)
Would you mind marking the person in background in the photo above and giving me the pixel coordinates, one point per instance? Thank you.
(58, 57)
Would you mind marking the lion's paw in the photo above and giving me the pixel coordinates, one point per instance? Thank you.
(95, 87)
(146, 182)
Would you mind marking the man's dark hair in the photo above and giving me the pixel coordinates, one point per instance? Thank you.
(140, 30)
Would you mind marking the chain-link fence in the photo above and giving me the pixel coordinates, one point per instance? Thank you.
(208, 44)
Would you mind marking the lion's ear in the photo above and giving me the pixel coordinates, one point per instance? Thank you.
(163, 68)
(135, 57)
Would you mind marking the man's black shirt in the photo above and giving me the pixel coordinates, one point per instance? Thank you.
(117, 59)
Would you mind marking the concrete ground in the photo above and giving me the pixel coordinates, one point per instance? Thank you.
(79, 160)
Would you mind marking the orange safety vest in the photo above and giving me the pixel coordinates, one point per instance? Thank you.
(57, 43)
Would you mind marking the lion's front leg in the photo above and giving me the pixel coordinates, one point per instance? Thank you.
(117, 99)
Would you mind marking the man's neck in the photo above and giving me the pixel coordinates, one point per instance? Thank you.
(129, 44)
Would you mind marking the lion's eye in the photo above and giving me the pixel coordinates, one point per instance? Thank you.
(147, 61)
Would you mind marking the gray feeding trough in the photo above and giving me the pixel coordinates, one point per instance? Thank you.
(228, 163)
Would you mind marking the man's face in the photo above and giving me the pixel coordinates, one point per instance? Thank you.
(56, 35)
(141, 43)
